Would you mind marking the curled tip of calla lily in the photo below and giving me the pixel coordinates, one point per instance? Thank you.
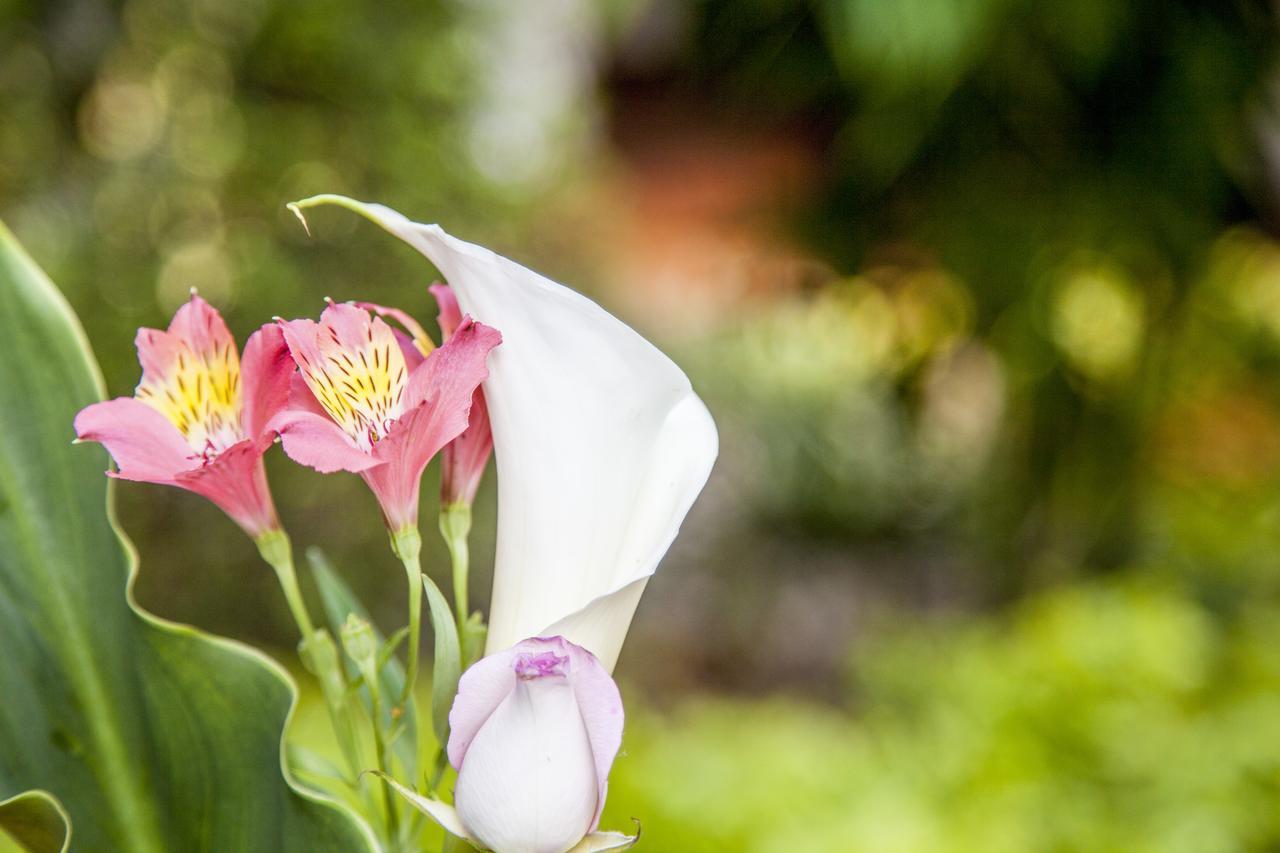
(297, 211)
(194, 291)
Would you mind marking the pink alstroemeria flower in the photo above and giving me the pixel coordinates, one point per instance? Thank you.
(358, 405)
(463, 460)
(198, 419)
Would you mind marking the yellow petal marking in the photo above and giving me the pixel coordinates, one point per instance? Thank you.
(361, 387)
(200, 395)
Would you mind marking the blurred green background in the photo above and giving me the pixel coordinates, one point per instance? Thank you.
(984, 294)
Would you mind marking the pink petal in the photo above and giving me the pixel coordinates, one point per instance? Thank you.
(480, 691)
(463, 460)
(438, 403)
(236, 481)
(412, 355)
(313, 439)
(601, 707)
(450, 316)
(201, 326)
(301, 398)
(452, 372)
(143, 443)
(347, 327)
(310, 437)
(266, 371)
(300, 337)
(419, 341)
(157, 352)
(197, 324)
(148, 448)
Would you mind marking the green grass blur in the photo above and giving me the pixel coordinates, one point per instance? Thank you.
(984, 295)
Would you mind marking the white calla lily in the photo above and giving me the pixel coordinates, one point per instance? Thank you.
(601, 446)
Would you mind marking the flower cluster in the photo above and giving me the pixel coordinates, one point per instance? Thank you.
(601, 447)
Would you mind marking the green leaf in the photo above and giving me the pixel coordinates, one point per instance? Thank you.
(448, 661)
(314, 769)
(34, 821)
(338, 601)
(439, 811)
(154, 736)
(389, 646)
(598, 842)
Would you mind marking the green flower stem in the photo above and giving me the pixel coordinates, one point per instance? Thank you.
(380, 748)
(407, 545)
(317, 649)
(361, 647)
(455, 527)
(275, 548)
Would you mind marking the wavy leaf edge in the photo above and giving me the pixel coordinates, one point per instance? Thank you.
(46, 799)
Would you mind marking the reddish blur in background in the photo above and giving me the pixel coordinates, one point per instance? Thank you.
(984, 295)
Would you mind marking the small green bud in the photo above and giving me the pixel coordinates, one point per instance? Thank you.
(359, 642)
(319, 654)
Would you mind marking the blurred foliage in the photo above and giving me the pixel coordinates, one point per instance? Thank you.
(1107, 716)
(1031, 214)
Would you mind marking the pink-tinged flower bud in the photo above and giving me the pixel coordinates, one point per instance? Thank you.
(533, 734)
(364, 401)
(198, 419)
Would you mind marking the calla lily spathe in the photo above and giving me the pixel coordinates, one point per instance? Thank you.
(601, 446)
(198, 419)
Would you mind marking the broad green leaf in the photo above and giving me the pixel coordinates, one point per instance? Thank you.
(338, 601)
(155, 737)
(448, 660)
(34, 821)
